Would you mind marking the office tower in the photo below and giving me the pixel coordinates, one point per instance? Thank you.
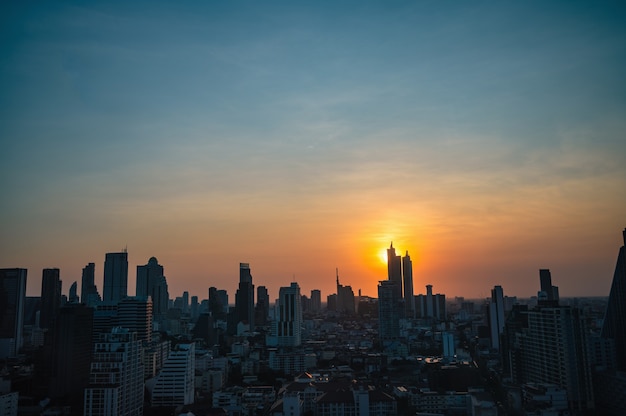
(316, 300)
(175, 383)
(185, 302)
(72, 348)
(496, 316)
(614, 326)
(409, 297)
(244, 298)
(549, 295)
(115, 276)
(394, 269)
(50, 298)
(430, 309)
(263, 303)
(194, 310)
(389, 310)
(151, 282)
(331, 302)
(345, 297)
(216, 308)
(289, 316)
(73, 293)
(88, 292)
(449, 349)
(430, 305)
(12, 294)
(116, 377)
(555, 351)
(135, 314)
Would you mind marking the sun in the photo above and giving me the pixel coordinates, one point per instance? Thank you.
(382, 255)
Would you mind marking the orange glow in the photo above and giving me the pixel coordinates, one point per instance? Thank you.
(382, 255)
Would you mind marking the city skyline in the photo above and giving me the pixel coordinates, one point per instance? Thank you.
(485, 139)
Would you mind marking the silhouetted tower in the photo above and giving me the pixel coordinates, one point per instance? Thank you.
(550, 295)
(409, 297)
(151, 282)
(12, 295)
(289, 319)
(496, 316)
(244, 298)
(394, 269)
(389, 311)
(614, 326)
(73, 294)
(88, 291)
(115, 276)
(262, 304)
(50, 298)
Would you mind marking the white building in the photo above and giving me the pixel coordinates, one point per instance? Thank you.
(175, 383)
(116, 377)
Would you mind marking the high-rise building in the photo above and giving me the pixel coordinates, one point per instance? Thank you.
(614, 326)
(50, 298)
(115, 276)
(394, 269)
(175, 383)
(389, 310)
(496, 316)
(549, 295)
(72, 348)
(244, 298)
(116, 377)
(135, 314)
(73, 294)
(409, 296)
(345, 297)
(88, 291)
(430, 305)
(316, 300)
(262, 304)
(151, 282)
(12, 295)
(289, 316)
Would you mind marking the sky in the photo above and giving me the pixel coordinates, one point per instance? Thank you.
(487, 139)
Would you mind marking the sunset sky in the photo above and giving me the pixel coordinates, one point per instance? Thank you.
(486, 138)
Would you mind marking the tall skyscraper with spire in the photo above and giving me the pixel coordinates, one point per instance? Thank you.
(394, 269)
(115, 276)
(614, 326)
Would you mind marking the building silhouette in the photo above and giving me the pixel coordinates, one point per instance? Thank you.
(116, 376)
(151, 282)
(394, 269)
(12, 295)
(50, 298)
(72, 348)
(115, 276)
(389, 310)
(135, 314)
(316, 300)
(614, 326)
(409, 296)
(244, 297)
(496, 316)
(345, 297)
(430, 306)
(88, 291)
(73, 294)
(288, 320)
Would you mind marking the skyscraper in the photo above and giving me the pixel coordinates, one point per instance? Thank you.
(614, 326)
(135, 314)
(549, 295)
(316, 300)
(115, 276)
(389, 312)
(88, 292)
(175, 382)
(394, 269)
(50, 298)
(496, 316)
(244, 298)
(345, 297)
(409, 297)
(116, 376)
(262, 304)
(12, 294)
(289, 318)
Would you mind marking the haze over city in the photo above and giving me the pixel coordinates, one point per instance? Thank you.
(486, 139)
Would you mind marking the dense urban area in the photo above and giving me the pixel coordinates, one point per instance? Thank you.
(345, 354)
